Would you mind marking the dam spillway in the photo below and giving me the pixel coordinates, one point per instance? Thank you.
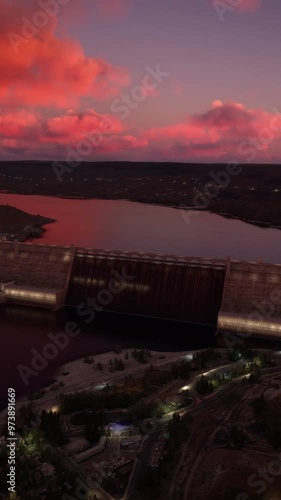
(160, 286)
(235, 296)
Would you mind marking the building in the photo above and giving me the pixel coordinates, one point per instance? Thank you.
(131, 442)
(158, 451)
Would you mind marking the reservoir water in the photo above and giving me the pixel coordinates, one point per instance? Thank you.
(123, 225)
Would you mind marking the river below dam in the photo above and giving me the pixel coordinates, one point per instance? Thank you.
(121, 225)
(25, 333)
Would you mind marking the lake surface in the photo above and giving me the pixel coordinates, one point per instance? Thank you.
(124, 225)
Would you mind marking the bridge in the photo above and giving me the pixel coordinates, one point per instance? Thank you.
(234, 296)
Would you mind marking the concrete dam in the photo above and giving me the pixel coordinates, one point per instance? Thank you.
(237, 297)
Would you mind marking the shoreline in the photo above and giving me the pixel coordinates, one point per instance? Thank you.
(16, 224)
(226, 215)
(41, 229)
(69, 372)
(251, 197)
(91, 378)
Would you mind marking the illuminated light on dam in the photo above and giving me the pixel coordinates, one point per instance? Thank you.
(244, 324)
(102, 283)
(31, 295)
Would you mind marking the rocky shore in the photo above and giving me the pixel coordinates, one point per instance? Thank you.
(18, 225)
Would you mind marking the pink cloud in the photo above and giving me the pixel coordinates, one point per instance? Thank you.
(73, 127)
(48, 71)
(222, 132)
(249, 5)
(112, 8)
(32, 135)
(19, 124)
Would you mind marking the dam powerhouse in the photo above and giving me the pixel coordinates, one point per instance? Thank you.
(236, 297)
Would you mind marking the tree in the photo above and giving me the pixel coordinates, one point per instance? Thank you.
(26, 414)
(203, 386)
(50, 425)
(88, 360)
(119, 364)
(141, 356)
(178, 429)
(91, 433)
(255, 376)
(260, 360)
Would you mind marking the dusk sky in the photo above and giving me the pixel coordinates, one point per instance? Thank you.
(80, 76)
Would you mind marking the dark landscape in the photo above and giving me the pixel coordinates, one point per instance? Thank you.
(252, 195)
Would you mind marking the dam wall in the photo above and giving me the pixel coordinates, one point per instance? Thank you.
(240, 298)
(159, 286)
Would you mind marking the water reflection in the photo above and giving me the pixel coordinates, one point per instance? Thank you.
(148, 228)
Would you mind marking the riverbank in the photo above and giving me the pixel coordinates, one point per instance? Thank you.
(18, 225)
(144, 228)
(251, 196)
(84, 374)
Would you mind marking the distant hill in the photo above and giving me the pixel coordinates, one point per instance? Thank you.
(252, 193)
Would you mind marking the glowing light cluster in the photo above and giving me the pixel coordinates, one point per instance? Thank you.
(30, 295)
(102, 283)
(238, 323)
